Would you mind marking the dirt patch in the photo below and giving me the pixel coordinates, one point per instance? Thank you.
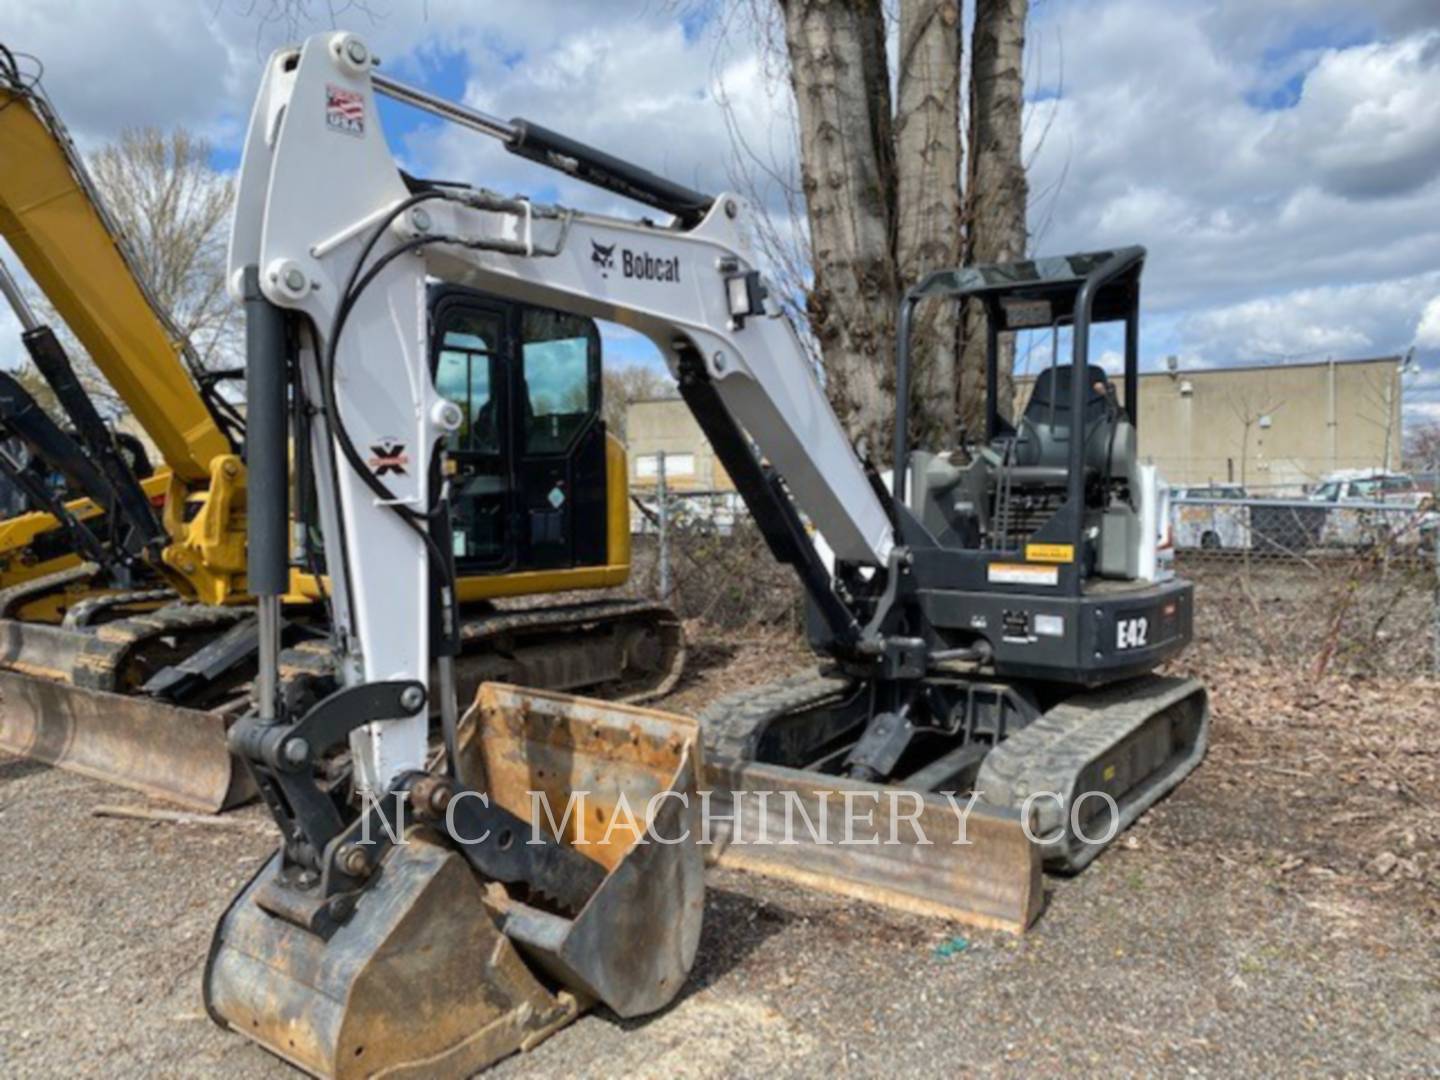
(1239, 928)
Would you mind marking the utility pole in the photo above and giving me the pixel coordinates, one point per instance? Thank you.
(662, 498)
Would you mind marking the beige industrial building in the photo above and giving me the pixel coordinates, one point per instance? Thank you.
(1272, 426)
(1275, 427)
(666, 426)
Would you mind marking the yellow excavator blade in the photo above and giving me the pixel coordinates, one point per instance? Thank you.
(436, 973)
(161, 750)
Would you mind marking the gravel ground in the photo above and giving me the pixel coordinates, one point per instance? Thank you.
(1236, 930)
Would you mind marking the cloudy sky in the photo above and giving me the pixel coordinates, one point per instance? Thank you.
(1279, 158)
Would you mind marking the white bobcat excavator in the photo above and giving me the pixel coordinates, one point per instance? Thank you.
(990, 627)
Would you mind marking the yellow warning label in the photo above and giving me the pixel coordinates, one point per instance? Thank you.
(1051, 553)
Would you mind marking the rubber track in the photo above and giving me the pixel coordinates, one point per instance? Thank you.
(101, 663)
(1050, 754)
(16, 596)
(82, 615)
(312, 658)
(732, 724)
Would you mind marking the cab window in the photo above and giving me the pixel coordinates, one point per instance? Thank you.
(465, 374)
(560, 363)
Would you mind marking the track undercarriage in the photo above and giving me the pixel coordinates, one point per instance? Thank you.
(1081, 764)
(138, 688)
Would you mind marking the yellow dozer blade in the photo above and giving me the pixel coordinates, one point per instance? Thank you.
(137, 742)
(437, 973)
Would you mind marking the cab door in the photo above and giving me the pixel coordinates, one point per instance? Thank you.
(472, 370)
(560, 441)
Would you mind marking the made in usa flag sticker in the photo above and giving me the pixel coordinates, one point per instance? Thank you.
(344, 110)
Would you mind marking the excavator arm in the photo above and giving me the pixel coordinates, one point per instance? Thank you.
(333, 232)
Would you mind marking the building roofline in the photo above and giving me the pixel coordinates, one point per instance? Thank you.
(1279, 365)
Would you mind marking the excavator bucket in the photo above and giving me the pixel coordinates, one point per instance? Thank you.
(162, 750)
(437, 973)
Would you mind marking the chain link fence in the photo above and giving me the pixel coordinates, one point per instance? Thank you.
(699, 551)
(1332, 586)
(1321, 587)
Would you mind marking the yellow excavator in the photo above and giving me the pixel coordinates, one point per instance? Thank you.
(127, 633)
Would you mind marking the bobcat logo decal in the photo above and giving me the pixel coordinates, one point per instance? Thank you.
(603, 257)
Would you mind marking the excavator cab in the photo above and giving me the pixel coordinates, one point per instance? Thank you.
(531, 490)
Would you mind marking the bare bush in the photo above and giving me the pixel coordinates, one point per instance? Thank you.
(721, 574)
(1345, 613)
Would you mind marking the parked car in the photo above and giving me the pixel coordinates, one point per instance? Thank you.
(1369, 485)
(1211, 491)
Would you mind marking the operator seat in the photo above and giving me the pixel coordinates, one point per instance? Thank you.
(1040, 452)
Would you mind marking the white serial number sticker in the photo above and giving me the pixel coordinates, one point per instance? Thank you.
(1132, 633)
(1023, 574)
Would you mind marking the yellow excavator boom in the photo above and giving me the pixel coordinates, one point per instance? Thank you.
(51, 218)
(55, 222)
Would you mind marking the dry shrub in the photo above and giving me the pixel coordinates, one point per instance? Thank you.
(1360, 612)
(726, 578)
(1336, 611)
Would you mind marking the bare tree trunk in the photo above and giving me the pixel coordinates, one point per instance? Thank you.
(927, 219)
(998, 189)
(842, 100)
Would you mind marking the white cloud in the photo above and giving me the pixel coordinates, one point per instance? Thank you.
(112, 64)
(1279, 158)
(1427, 331)
(635, 85)
(1339, 321)
(1365, 125)
(1158, 138)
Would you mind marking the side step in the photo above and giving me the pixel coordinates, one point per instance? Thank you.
(1134, 742)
